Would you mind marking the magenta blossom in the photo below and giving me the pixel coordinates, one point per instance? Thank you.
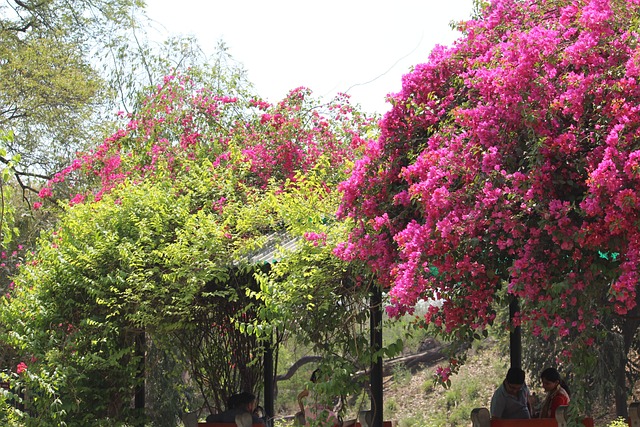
(21, 367)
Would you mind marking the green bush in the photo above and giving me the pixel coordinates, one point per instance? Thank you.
(618, 422)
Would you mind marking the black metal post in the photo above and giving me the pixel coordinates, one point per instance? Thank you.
(269, 406)
(376, 364)
(515, 335)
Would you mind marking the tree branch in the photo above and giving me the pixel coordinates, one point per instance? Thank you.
(299, 363)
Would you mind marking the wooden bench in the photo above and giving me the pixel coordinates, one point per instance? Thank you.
(385, 424)
(224, 425)
(480, 417)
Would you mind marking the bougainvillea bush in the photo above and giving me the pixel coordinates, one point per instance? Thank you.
(509, 165)
(168, 212)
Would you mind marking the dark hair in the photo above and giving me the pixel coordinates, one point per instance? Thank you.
(552, 374)
(240, 399)
(515, 376)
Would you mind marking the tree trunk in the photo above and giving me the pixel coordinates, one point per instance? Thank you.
(629, 328)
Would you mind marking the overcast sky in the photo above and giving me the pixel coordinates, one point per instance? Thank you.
(354, 46)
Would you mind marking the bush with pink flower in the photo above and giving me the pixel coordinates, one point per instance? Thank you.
(508, 167)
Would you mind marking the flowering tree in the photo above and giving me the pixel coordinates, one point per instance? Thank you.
(509, 166)
(160, 235)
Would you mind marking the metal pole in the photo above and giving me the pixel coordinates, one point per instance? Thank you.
(515, 335)
(269, 406)
(376, 365)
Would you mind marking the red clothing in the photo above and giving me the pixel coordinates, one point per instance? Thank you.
(555, 398)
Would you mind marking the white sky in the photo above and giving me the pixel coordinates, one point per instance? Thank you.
(356, 46)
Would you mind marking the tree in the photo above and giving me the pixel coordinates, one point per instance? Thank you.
(176, 203)
(508, 166)
(49, 88)
(67, 67)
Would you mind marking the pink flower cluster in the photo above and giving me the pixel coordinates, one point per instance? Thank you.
(442, 374)
(317, 239)
(510, 159)
(182, 123)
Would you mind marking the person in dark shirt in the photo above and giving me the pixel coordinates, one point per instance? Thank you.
(511, 399)
(240, 403)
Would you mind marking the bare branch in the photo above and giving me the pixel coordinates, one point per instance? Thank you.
(299, 363)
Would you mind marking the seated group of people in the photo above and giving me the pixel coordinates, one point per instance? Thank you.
(513, 400)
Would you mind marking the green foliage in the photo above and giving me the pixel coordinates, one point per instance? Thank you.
(48, 87)
(428, 386)
(188, 192)
(618, 422)
(66, 66)
(390, 406)
(100, 280)
(168, 396)
(468, 390)
(7, 211)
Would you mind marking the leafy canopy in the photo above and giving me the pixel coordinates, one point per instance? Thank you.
(160, 234)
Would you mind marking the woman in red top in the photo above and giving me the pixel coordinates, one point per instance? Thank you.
(557, 392)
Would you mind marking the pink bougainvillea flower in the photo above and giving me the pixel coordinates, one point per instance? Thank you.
(21, 367)
(508, 162)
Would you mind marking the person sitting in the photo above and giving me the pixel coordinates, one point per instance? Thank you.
(511, 399)
(238, 404)
(558, 393)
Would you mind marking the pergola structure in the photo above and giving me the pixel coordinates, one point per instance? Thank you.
(376, 373)
(268, 254)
